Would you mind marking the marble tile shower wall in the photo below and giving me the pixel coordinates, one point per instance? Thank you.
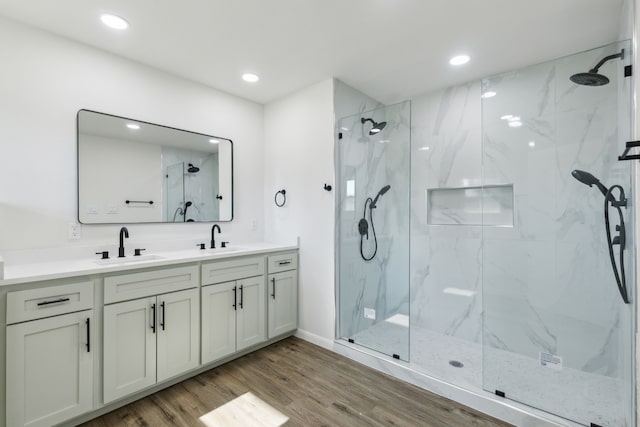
(368, 163)
(445, 259)
(547, 281)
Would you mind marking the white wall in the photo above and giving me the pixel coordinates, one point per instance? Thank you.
(45, 80)
(299, 158)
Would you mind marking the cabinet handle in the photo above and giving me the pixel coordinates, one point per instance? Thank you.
(235, 297)
(56, 301)
(162, 323)
(241, 294)
(88, 322)
(153, 316)
(284, 263)
(273, 280)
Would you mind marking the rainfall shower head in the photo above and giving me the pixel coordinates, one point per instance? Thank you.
(380, 193)
(193, 169)
(590, 180)
(593, 78)
(377, 127)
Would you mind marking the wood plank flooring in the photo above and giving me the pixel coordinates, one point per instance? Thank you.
(310, 385)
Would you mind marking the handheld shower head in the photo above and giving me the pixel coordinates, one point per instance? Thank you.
(380, 193)
(590, 180)
(377, 127)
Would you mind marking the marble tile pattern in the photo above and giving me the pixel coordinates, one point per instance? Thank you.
(446, 260)
(547, 282)
(367, 163)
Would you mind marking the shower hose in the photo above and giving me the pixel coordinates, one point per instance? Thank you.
(364, 230)
(620, 239)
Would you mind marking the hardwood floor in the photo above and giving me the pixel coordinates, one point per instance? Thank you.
(310, 385)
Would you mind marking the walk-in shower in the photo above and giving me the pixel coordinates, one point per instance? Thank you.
(493, 271)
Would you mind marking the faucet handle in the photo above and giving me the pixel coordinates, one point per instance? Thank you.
(105, 254)
(137, 252)
(201, 245)
(224, 244)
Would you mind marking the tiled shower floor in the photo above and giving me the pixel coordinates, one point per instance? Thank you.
(569, 393)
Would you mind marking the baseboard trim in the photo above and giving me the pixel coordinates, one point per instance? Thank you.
(315, 339)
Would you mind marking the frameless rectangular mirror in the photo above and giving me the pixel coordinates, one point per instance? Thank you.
(130, 171)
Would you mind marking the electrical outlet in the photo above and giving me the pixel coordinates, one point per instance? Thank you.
(74, 232)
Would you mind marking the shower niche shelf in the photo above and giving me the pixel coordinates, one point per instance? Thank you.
(490, 205)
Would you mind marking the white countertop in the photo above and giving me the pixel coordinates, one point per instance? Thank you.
(49, 270)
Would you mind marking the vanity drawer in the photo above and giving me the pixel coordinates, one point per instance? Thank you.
(226, 271)
(139, 285)
(283, 262)
(44, 302)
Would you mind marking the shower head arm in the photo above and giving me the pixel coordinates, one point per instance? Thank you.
(605, 59)
(363, 121)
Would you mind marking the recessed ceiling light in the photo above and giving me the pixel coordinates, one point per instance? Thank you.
(488, 94)
(133, 126)
(459, 60)
(514, 119)
(113, 21)
(213, 141)
(515, 123)
(251, 78)
(425, 148)
(506, 117)
(532, 144)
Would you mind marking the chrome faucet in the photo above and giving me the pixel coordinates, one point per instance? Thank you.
(213, 235)
(123, 233)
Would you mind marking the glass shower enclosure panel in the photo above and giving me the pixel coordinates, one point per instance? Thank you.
(373, 229)
(557, 334)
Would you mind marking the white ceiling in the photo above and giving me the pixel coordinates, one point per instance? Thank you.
(388, 49)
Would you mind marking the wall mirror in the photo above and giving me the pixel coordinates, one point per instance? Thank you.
(130, 171)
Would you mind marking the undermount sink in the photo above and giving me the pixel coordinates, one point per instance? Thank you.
(128, 260)
(221, 250)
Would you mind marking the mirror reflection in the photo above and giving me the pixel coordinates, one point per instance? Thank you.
(130, 171)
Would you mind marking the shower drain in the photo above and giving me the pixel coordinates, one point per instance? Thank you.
(456, 364)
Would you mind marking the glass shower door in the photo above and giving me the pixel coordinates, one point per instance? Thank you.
(373, 229)
(556, 333)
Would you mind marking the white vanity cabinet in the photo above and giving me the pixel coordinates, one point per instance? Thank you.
(282, 293)
(153, 338)
(233, 307)
(49, 371)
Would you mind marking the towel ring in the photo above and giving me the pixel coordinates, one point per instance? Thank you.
(284, 198)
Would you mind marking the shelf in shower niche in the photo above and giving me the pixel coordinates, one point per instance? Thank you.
(490, 205)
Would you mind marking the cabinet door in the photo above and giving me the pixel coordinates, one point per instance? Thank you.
(49, 369)
(178, 333)
(251, 328)
(129, 361)
(218, 321)
(283, 302)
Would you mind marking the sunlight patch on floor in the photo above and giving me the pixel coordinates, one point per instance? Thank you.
(243, 411)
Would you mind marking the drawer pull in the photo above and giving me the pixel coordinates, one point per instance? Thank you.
(57, 301)
(284, 262)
